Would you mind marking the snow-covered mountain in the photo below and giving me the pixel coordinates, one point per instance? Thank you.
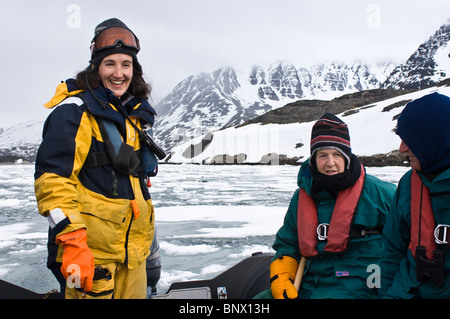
(205, 102)
(428, 65)
(21, 141)
(226, 97)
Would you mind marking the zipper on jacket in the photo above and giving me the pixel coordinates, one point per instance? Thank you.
(126, 242)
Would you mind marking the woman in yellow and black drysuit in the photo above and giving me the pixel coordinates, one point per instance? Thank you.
(95, 197)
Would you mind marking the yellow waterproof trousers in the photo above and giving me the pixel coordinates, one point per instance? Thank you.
(115, 280)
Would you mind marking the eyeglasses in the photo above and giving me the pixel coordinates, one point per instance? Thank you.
(111, 37)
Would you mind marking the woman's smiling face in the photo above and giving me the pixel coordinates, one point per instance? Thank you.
(116, 72)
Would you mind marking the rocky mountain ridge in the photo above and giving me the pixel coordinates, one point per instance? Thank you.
(225, 97)
(427, 66)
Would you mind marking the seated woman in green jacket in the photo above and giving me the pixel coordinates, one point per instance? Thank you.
(334, 222)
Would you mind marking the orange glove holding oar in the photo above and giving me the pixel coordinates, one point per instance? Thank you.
(282, 274)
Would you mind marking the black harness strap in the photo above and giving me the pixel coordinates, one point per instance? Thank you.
(97, 159)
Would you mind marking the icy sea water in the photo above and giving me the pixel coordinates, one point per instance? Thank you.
(208, 219)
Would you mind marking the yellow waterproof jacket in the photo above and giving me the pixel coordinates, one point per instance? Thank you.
(115, 209)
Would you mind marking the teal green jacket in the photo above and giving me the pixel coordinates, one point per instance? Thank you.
(355, 272)
(398, 276)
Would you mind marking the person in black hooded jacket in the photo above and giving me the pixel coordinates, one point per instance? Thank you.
(415, 262)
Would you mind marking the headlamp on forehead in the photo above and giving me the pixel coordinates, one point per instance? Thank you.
(114, 37)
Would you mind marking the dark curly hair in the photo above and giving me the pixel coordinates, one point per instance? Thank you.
(138, 87)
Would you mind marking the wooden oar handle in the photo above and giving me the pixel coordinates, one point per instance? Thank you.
(299, 274)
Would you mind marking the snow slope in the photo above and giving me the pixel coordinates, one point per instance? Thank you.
(371, 132)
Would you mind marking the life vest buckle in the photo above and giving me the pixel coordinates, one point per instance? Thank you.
(441, 234)
(322, 231)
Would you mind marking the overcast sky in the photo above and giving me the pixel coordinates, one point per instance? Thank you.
(44, 42)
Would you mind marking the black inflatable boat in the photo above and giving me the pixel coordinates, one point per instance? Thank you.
(242, 281)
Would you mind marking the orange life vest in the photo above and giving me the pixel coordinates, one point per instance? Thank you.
(339, 227)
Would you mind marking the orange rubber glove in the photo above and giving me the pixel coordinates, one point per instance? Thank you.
(282, 274)
(77, 252)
